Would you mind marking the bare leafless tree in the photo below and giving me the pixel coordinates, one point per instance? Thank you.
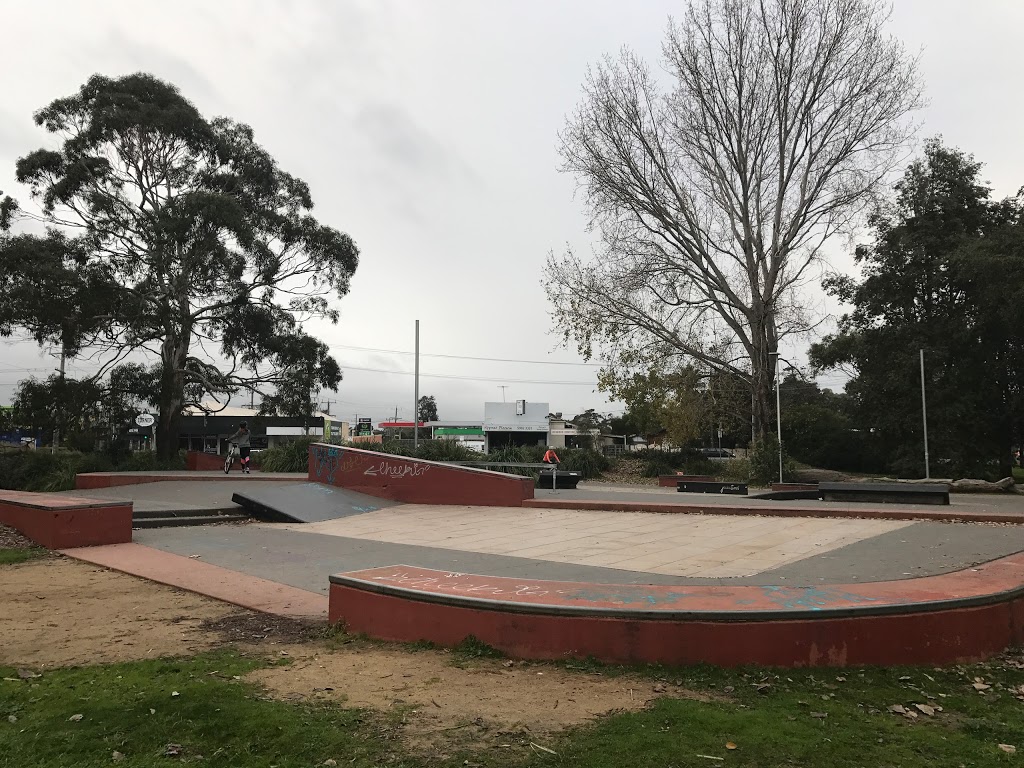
(713, 191)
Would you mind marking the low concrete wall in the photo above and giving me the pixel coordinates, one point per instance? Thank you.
(197, 461)
(949, 618)
(414, 481)
(64, 522)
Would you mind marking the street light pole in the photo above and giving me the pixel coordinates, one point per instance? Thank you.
(416, 395)
(924, 418)
(778, 408)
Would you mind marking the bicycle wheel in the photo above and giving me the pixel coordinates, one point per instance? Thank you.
(228, 462)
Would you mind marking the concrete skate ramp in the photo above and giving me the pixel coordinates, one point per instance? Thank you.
(305, 502)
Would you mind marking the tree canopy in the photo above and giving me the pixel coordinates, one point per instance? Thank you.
(712, 190)
(177, 237)
(427, 408)
(944, 273)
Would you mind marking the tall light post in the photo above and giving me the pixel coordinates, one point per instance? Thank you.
(778, 408)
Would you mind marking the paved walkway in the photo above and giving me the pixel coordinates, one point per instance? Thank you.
(209, 495)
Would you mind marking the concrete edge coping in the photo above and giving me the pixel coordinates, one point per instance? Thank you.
(711, 616)
(52, 502)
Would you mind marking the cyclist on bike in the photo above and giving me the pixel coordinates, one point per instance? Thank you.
(241, 439)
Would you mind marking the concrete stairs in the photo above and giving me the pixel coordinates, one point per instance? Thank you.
(185, 517)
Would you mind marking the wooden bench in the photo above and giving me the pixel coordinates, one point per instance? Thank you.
(63, 522)
(715, 486)
(886, 493)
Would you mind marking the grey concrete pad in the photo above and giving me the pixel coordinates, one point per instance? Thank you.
(306, 502)
(306, 560)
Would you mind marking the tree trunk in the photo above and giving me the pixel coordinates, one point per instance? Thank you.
(173, 356)
(762, 372)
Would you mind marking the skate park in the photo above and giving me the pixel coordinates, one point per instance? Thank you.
(408, 550)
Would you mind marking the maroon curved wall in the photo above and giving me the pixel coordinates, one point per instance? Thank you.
(414, 481)
(952, 636)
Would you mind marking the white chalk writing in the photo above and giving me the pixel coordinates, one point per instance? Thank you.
(392, 469)
(443, 584)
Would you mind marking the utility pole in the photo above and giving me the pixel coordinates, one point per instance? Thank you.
(416, 395)
(60, 406)
(924, 418)
(503, 387)
(778, 406)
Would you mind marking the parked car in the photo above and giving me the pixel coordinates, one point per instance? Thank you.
(717, 453)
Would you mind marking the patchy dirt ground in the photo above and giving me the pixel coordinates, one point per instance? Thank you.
(61, 612)
(441, 699)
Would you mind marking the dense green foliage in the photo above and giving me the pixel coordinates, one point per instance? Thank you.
(944, 273)
(41, 470)
(190, 244)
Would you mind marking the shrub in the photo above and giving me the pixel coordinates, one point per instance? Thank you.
(287, 457)
(764, 461)
(446, 450)
(587, 462)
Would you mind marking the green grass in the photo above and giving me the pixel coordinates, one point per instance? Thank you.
(132, 709)
(833, 718)
(1018, 474)
(11, 556)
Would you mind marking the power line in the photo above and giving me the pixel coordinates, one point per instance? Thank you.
(465, 357)
(471, 378)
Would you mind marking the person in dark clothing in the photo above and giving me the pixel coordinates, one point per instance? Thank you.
(241, 438)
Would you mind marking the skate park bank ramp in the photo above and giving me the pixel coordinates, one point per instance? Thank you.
(305, 502)
(414, 481)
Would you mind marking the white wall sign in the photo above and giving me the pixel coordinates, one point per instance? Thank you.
(145, 420)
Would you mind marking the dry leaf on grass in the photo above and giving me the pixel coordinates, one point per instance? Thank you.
(730, 745)
(75, 718)
(1008, 748)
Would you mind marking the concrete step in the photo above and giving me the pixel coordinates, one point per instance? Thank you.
(181, 521)
(147, 514)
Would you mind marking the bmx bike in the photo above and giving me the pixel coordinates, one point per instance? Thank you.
(229, 460)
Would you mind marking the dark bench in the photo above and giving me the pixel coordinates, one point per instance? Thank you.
(716, 486)
(886, 493)
(561, 480)
(669, 481)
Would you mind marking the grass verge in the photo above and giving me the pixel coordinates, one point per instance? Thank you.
(11, 556)
(157, 713)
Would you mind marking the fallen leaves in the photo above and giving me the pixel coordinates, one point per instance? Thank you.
(173, 750)
(910, 714)
(1008, 748)
(75, 718)
(730, 745)
(117, 757)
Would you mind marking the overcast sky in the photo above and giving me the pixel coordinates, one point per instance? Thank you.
(428, 132)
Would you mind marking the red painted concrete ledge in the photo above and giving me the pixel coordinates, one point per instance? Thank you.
(951, 618)
(59, 522)
(944, 514)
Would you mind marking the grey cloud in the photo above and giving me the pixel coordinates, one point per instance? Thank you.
(397, 137)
